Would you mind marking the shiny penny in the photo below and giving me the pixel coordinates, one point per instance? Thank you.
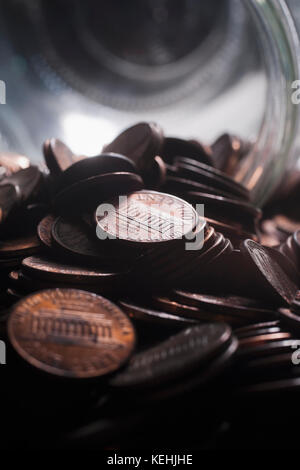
(148, 217)
(71, 333)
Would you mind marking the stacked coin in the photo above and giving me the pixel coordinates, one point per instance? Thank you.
(264, 361)
(227, 206)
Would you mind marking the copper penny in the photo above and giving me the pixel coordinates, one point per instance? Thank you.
(149, 315)
(92, 191)
(27, 183)
(71, 333)
(77, 243)
(141, 143)
(177, 184)
(233, 305)
(93, 166)
(22, 246)
(173, 147)
(148, 217)
(273, 269)
(264, 338)
(176, 357)
(228, 150)
(45, 268)
(59, 156)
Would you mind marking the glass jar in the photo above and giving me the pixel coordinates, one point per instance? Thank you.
(276, 146)
(83, 71)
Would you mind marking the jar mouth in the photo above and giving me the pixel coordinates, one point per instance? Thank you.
(114, 74)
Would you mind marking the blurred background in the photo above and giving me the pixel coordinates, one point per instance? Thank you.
(82, 71)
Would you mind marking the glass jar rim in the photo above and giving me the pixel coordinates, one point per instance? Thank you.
(275, 148)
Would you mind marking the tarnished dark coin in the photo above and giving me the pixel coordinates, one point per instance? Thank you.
(251, 329)
(27, 182)
(47, 269)
(94, 166)
(201, 315)
(92, 191)
(59, 156)
(266, 349)
(25, 284)
(173, 263)
(227, 151)
(174, 147)
(149, 316)
(209, 178)
(148, 217)
(258, 332)
(141, 143)
(18, 189)
(19, 247)
(219, 257)
(253, 341)
(191, 162)
(235, 233)
(197, 265)
(71, 333)
(232, 305)
(274, 271)
(44, 230)
(174, 358)
(177, 185)
(73, 239)
(243, 213)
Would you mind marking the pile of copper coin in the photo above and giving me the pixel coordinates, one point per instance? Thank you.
(113, 326)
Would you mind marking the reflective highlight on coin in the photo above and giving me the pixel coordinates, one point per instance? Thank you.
(147, 216)
(71, 333)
